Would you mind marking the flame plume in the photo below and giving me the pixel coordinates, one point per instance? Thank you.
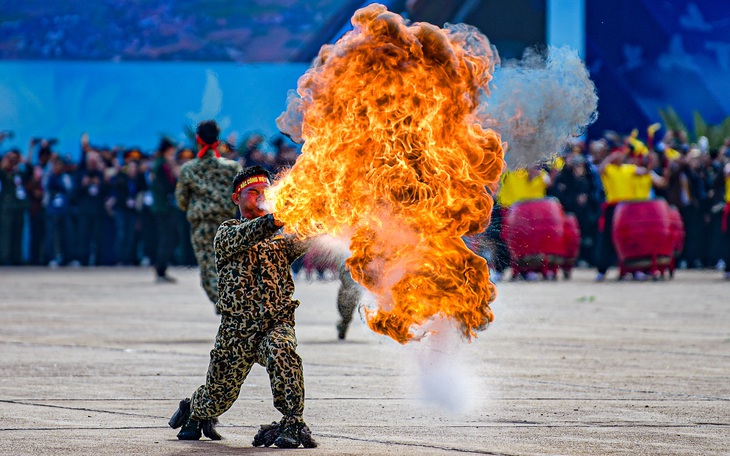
(394, 159)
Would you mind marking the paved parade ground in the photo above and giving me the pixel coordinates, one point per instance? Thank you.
(94, 361)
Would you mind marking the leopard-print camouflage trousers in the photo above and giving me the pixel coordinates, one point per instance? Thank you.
(202, 235)
(348, 297)
(238, 345)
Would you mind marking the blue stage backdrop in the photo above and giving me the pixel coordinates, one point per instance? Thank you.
(134, 103)
(646, 55)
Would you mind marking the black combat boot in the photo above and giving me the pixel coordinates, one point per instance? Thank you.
(266, 435)
(293, 434)
(208, 428)
(305, 436)
(191, 430)
(288, 436)
(181, 414)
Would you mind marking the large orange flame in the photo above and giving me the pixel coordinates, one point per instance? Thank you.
(394, 159)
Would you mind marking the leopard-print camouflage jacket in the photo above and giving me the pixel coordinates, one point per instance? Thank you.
(204, 188)
(254, 271)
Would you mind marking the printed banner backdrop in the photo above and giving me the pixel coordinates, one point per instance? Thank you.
(646, 55)
(133, 104)
(166, 30)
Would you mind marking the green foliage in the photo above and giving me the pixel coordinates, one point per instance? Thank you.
(701, 127)
(671, 120)
(725, 128)
(715, 134)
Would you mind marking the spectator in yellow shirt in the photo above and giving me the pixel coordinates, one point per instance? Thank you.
(645, 182)
(523, 184)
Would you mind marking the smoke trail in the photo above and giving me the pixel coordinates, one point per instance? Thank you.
(538, 103)
(445, 377)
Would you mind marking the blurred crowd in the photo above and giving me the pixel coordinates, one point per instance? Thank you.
(691, 176)
(101, 209)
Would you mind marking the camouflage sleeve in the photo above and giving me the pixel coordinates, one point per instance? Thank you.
(296, 247)
(233, 238)
(182, 191)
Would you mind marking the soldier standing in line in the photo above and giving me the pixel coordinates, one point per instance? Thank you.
(257, 322)
(202, 191)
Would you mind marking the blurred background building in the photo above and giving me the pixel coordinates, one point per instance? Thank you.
(129, 71)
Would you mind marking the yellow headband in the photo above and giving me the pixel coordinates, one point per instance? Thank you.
(252, 180)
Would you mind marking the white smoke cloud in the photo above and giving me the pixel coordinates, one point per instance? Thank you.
(445, 378)
(538, 103)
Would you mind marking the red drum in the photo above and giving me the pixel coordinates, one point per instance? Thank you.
(642, 235)
(676, 226)
(572, 239)
(677, 229)
(534, 231)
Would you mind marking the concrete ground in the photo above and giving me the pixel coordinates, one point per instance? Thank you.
(95, 360)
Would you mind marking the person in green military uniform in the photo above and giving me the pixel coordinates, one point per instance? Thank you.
(257, 322)
(202, 192)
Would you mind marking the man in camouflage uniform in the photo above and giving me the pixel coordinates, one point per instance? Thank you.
(257, 322)
(202, 192)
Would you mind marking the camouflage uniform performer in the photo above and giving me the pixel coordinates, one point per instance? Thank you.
(348, 297)
(257, 323)
(202, 192)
